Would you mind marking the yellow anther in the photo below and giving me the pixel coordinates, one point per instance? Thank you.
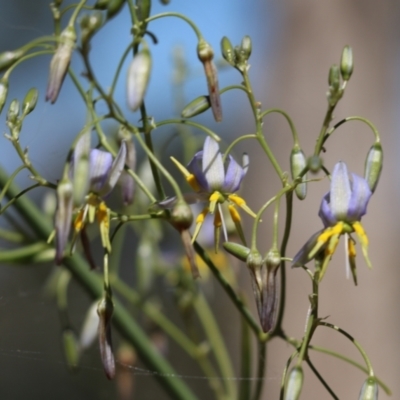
(214, 199)
(79, 221)
(351, 248)
(240, 202)
(103, 217)
(102, 212)
(192, 181)
(234, 214)
(217, 220)
(181, 168)
(358, 228)
(200, 218)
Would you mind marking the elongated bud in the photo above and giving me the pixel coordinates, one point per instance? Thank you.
(373, 165)
(346, 63)
(196, 107)
(143, 11)
(8, 58)
(114, 7)
(295, 384)
(206, 55)
(227, 51)
(90, 327)
(3, 92)
(105, 310)
(60, 63)
(81, 168)
(138, 79)
(63, 216)
(237, 250)
(71, 348)
(30, 101)
(298, 162)
(127, 181)
(13, 113)
(369, 390)
(246, 47)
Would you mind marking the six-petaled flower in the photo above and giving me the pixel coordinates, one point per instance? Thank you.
(341, 211)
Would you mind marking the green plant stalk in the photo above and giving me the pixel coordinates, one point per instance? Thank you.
(217, 343)
(321, 379)
(245, 370)
(324, 128)
(93, 285)
(262, 362)
(22, 254)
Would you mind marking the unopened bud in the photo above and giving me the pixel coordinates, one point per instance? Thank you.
(3, 92)
(81, 168)
(373, 165)
(138, 79)
(314, 164)
(246, 47)
(71, 348)
(127, 181)
(181, 216)
(30, 101)
(334, 77)
(346, 63)
(13, 113)
(237, 250)
(114, 7)
(101, 4)
(227, 51)
(90, 23)
(196, 107)
(297, 164)
(369, 390)
(90, 327)
(143, 11)
(8, 58)
(295, 384)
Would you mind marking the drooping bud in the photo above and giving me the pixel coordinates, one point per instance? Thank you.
(90, 23)
(30, 101)
(105, 310)
(246, 47)
(314, 164)
(138, 79)
(373, 165)
(114, 7)
(196, 107)
(71, 348)
(63, 216)
(127, 181)
(181, 216)
(295, 384)
(8, 58)
(227, 51)
(60, 63)
(346, 63)
(297, 163)
(369, 390)
(206, 55)
(237, 250)
(90, 327)
(3, 92)
(81, 167)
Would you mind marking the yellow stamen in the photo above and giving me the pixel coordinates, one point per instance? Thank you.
(240, 202)
(79, 221)
(214, 198)
(325, 236)
(234, 214)
(352, 248)
(103, 217)
(199, 222)
(362, 236)
(192, 181)
(330, 249)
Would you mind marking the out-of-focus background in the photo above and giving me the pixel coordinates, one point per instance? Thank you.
(294, 44)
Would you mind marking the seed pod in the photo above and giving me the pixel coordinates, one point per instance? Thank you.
(346, 63)
(30, 101)
(8, 58)
(181, 216)
(369, 390)
(373, 165)
(3, 92)
(295, 384)
(227, 51)
(237, 250)
(196, 107)
(246, 47)
(297, 163)
(138, 79)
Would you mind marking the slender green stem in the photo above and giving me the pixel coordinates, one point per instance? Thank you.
(321, 379)
(75, 14)
(11, 236)
(12, 177)
(262, 362)
(25, 58)
(17, 196)
(245, 370)
(235, 142)
(22, 255)
(324, 128)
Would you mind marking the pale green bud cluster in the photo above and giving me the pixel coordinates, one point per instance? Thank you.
(237, 56)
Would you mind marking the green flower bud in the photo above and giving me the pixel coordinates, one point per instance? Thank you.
(3, 92)
(334, 77)
(297, 163)
(273, 260)
(81, 168)
(314, 164)
(295, 384)
(30, 101)
(369, 390)
(71, 348)
(138, 79)
(237, 250)
(227, 51)
(346, 63)
(8, 58)
(181, 216)
(101, 4)
(196, 107)
(246, 47)
(204, 51)
(373, 165)
(13, 113)
(90, 23)
(143, 11)
(114, 7)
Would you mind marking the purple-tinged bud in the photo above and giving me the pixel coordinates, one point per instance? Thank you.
(114, 7)
(3, 92)
(127, 181)
(63, 216)
(81, 168)
(373, 165)
(8, 58)
(237, 250)
(30, 101)
(369, 390)
(295, 384)
(206, 55)
(105, 310)
(196, 107)
(90, 327)
(246, 47)
(138, 79)
(346, 63)
(227, 51)
(298, 162)
(71, 348)
(60, 63)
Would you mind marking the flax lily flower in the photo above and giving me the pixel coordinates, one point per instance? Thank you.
(216, 184)
(341, 211)
(104, 173)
